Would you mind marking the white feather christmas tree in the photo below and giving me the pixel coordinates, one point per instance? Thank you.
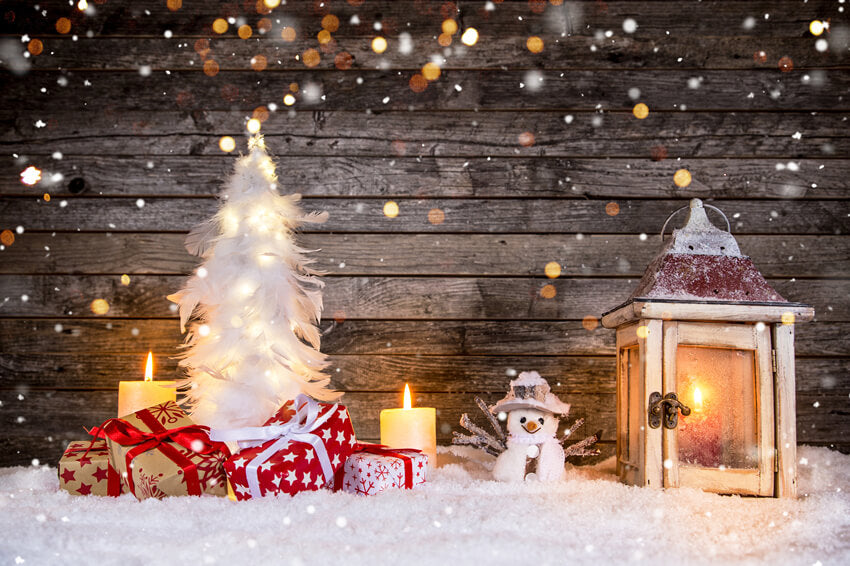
(251, 309)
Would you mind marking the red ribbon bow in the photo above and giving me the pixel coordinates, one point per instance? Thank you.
(192, 437)
(383, 450)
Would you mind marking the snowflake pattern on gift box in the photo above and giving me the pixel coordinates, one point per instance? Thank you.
(147, 486)
(167, 413)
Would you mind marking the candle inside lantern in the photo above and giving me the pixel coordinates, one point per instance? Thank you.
(136, 395)
(697, 400)
(411, 428)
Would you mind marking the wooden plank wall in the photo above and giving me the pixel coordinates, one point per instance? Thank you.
(521, 156)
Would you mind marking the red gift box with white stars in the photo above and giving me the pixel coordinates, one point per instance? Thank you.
(374, 468)
(295, 467)
(87, 471)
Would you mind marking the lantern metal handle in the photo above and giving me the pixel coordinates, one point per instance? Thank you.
(672, 214)
(667, 407)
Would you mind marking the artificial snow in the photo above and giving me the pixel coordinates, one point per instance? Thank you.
(459, 517)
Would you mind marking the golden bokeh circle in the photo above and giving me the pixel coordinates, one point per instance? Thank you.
(227, 144)
(534, 44)
(245, 31)
(63, 25)
(7, 237)
(431, 71)
(311, 57)
(379, 44)
(418, 83)
(330, 23)
(552, 270)
(35, 46)
(288, 34)
(210, 67)
(589, 323)
(219, 25)
(526, 139)
(436, 216)
(548, 291)
(390, 209)
(99, 306)
(640, 111)
(612, 209)
(259, 62)
(682, 178)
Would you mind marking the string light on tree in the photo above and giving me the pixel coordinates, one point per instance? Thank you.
(253, 126)
(227, 144)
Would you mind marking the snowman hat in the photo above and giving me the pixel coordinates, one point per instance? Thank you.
(530, 391)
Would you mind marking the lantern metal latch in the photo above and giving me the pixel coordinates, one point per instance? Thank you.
(667, 407)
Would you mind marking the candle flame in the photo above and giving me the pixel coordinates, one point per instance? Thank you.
(697, 400)
(149, 367)
(407, 403)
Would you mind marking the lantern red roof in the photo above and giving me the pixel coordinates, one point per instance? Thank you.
(702, 263)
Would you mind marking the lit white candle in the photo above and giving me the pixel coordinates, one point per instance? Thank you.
(410, 427)
(137, 395)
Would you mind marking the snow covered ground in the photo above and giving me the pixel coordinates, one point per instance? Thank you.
(460, 517)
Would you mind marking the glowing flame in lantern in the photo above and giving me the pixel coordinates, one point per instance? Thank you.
(697, 400)
(149, 367)
(407, 403)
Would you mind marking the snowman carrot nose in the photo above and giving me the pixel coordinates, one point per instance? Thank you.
(531, 426)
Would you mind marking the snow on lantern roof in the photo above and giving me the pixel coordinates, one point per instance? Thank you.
(702, 263)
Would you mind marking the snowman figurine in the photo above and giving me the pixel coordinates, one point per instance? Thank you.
(533, 451)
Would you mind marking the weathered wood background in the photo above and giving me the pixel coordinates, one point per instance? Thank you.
(451, 307)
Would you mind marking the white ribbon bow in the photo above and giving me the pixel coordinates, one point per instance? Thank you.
(298, 429)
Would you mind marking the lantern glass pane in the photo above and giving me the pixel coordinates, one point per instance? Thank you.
(719, 385)
(629, 399)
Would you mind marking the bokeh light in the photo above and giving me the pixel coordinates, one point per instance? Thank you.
(612, 209)
(245, 31)
(449, 26)
(259, 62)
(63, 25)
(288, 34)
(642, 332)
(788, 318)
(31, 175)
(390, 209)
(288, 99)
(343, 60)
(227, 144)
(271, 4)
(261, 113)
(253, 125)
(552, 270)
(311, 57)
(210, 67)
(431, 71)
(548, 291)
(330, 23)
(786, 65)
(444, 39)
(436, 216)
(682, 178)
(125, 279)
(589, 323)
(99, 306)
(7, 237)
(82, 5)
(219, 25)
(174, 5)
(534, 44)
(379, 44)
(35, 46)
(469, 37)
(526, 139)
(418, 83)
(324, 37)
(640, 111)
(816, 27)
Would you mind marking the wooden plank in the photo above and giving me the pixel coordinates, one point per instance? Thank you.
(420, 298)
(821, 418)
(567, 375)
(553, 216)
(436, 337)
(730, 481)
(428, 177)
(785, 406)
(494, 51)
(194, 128)
(724, 312)
(490, 89)
(765, 410)
(740, 336)
(651, 359)
(70, 411)
(141, 18)
(420, 254)
(670, 438)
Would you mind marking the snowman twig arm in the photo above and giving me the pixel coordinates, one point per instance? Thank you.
(582, 448)
(497, 428)
(478, 432)
(475, 442)
(572, 429)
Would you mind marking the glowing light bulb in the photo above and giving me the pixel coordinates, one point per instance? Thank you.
(469, 37)
(82, 5)
(253, 125)
(288, 99)
(149, 367)
(817, 27)
(407, 403)
(697, 400)
(227, 144)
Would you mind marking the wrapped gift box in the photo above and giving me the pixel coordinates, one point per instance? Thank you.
(298, 449)
(84, 469)
(159, 452)
(374, 468)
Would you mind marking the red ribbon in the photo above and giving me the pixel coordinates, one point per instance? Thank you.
(193, 437)
(113, 480)
(382, 450)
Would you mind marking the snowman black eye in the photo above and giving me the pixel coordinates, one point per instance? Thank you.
(522, 420)
(540, 420)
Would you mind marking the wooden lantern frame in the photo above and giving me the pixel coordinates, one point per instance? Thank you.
(652, 325)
